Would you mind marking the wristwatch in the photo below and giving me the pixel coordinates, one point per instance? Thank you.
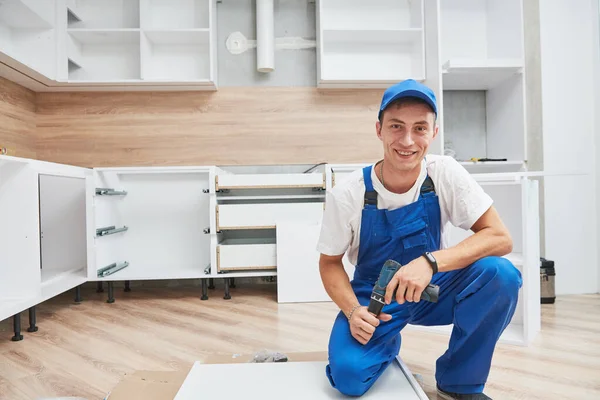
(429, 257)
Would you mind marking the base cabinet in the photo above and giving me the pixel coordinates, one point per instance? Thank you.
(70, 225)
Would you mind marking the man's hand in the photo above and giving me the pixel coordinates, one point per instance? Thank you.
(363, 324)
(411, 280)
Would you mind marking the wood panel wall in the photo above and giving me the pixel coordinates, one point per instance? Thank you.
(17, 119)
(253, 126)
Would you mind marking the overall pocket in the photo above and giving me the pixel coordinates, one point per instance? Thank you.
(413, 237)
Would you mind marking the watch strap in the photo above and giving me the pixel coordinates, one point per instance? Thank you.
(432, 261)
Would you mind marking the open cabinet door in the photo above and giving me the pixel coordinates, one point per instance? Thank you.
(19, 236)
(62, 232)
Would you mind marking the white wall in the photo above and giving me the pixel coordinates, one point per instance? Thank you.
(568, 97)
(596, 29)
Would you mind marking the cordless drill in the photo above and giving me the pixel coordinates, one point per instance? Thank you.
(390, 267)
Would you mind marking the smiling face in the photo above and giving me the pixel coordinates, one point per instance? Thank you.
(407, 129)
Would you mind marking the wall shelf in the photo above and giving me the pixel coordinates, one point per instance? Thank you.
(478, 74)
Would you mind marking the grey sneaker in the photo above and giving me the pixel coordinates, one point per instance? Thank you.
(460, 396)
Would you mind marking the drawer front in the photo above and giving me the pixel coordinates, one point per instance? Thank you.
(246, 257)
(264, 216)
(269, 181)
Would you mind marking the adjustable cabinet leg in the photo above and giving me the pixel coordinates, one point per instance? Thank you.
(78, 294)
(127, 286)
(204, 290)
(17, 326)
(227, 295)
(111, 292)
(99, 288)
(32, 321)
(211, 283)
(232, 283)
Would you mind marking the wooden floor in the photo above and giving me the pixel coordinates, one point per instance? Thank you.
(83, 350)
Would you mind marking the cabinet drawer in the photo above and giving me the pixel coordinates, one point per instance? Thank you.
(258, 256)
(264, 216)
(269, 181)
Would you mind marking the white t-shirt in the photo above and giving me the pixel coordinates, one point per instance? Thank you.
(462, 201)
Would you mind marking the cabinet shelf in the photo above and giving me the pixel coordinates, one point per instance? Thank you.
(478, 74)
(269, 181)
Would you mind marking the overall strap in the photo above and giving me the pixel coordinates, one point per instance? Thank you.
(428, 188)
(370, 193)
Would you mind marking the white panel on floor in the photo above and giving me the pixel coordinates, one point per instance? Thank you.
(298, 277)
(288, 380)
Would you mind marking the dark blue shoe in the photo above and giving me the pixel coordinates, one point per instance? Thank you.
(459, 396)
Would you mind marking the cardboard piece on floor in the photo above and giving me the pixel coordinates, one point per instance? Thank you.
(149, 385)
(289, 380)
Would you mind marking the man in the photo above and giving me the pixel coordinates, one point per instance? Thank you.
(398, 209)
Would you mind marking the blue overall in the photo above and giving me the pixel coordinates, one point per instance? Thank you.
(479, 300)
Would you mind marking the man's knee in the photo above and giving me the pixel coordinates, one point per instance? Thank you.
(503, 276)
(348, 375)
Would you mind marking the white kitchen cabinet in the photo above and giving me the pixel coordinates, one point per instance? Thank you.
(369, 43)
(42, 236)
(107, 44)
(140, 42)
(248, 203)
(483, 82)
(164, 211)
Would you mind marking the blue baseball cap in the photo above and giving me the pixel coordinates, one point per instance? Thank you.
(408, 88)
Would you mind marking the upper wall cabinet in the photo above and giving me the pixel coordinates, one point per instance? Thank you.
(369, 43)
(140, 41)
(74, 44)
(483, 80)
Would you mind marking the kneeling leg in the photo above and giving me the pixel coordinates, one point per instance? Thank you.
(485, 297)
(353, 367)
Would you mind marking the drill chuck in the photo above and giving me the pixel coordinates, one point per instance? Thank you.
(390, 267)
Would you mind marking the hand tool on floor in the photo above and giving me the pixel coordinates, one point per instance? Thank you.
(390, 267)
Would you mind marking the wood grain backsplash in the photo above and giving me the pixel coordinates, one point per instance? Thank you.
(17, 119)
(252, 126)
